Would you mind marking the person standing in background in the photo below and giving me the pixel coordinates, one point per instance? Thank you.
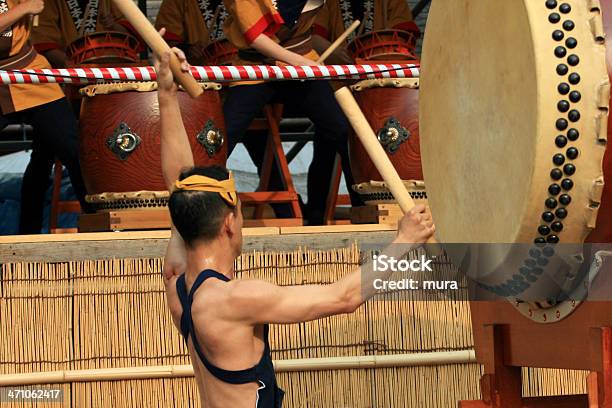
(338, 15)
(43, 106)
(192, 25)
(65, 21)
(280, 32)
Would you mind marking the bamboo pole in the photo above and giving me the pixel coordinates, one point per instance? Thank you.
(307, 364)
(368, 138)
(364, 131)
(338, 42)
(370, 142)
(148, 33)
(377, 154)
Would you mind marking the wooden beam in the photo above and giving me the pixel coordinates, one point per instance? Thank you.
(152, 244)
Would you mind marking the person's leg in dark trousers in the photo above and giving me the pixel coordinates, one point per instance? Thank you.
(34, 187)
(317, 101)
(56, 128)
(242, 104)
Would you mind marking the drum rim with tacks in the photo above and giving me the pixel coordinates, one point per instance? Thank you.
(105, 47)
(363, 46)
(518, 157)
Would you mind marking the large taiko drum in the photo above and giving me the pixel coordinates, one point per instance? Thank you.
(514, 142)
(105, 47)
(392, 109)
(120, 141)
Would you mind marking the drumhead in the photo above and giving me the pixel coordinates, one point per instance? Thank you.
(490, 118)
(513, 117)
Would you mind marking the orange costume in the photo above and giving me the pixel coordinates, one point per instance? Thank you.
(16, 52)
(192, 21)
(64, 21)
(338, 15)
(289, 24)
(250, 18)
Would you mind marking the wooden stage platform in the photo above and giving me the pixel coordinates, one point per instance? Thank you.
(91, 297)
(152, 244)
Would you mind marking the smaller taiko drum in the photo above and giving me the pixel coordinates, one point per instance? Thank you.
(220, 52)
(384, 45)
(105, 47)
(120, 141)
(392, 109)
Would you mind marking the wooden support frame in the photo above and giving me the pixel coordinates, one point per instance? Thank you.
(152, 244)
(516, 342)
(335, 199)
(125, 220)
(377, 214)
(58, 206)
(275, 154)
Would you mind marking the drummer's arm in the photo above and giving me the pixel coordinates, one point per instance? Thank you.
(271, 49)
(16, 13)
(48, 38)
(176, 155)
(176, 152)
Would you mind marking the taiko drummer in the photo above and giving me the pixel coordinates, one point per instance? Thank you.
(224, 321)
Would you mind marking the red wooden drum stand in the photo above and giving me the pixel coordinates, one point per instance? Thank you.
(515, 151)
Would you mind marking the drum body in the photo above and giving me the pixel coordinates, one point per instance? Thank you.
(120, 138)
(514, 145)
(105, 47)
(392, 109)
(603, 229)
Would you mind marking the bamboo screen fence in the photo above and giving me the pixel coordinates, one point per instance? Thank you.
(108, 314)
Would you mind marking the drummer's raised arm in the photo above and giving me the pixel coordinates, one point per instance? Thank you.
(176, 155)
(176, 152)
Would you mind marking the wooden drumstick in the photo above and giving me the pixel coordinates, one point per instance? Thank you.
(366, 135)
(338, 42)
(148, 33)
(35, 21)
(377, 154)
(373, 147)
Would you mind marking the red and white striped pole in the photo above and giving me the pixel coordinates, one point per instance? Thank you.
(211, 73)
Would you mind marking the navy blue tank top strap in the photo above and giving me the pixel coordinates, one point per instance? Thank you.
(269, 394)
